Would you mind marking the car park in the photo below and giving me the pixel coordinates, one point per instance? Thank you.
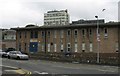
(17, 55)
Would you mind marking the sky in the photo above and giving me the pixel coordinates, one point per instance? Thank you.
(19, 13)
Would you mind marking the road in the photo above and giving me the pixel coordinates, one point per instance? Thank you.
(50, 67)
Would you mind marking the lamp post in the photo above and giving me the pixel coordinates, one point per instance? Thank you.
(98, 41)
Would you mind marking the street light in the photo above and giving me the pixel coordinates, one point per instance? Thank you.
(98, 41)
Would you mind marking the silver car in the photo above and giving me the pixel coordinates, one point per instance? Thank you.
(2, 53)
(17, 55)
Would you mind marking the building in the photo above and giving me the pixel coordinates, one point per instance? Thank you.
(56, 17)
(119, 11)
(80, 38)
(8, 39)
(1, 37)
(82, 21)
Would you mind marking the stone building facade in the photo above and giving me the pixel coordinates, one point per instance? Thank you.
(69, 38)
(8, 39)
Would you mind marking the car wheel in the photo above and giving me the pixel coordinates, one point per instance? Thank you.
(18, 58)
(8, 57)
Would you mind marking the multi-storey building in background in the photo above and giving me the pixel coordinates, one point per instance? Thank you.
(56, 18)
(82, 21)
(73, 39)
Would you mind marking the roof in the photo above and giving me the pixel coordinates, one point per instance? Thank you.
(114, 24)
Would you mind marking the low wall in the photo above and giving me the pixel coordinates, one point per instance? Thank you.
(105, 58)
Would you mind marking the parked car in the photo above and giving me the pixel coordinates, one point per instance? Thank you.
(17, 55)
(10, 49)
(2, 53)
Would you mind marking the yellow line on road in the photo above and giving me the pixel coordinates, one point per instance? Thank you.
(23, 71)
(18, 71)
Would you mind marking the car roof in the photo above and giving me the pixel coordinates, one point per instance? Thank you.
(14, 51)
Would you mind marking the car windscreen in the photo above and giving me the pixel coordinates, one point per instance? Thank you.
(18, 52)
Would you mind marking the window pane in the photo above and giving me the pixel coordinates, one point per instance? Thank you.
(48, 47)
(68, 33)
(36, 34)
(83, 46)
(75, 32)
(76, 47)
(31, 35)
(91, 47)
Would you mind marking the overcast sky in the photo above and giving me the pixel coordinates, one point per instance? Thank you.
(18, 13)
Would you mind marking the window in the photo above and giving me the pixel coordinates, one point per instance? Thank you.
(75, 39)
(105, 32)
(91, 47)
(19, 34)
(61, 40)
(83, 47)
(54, 47)
(76, 46)
(116, 47)
(48, 47)
(42, 33)
(31, 34)
(68, 47)
(90, 32)
(61, 46)
(61, 33)
(25, 34)
(19, 46)
(68, 32)
(75, 32)
(45, 23)
(83, 32)
(55, 34)
(48, 33)
(25, 46)
(42, 47)
(36, 34)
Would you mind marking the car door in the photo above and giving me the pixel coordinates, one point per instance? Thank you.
(10, 54)
(14, 55)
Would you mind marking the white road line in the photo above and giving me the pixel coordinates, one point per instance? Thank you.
(9, 66)
(40, 72)
(66, 67)
(9, 70)
(106, 70)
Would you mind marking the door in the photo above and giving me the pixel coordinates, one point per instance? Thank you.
(33, 47)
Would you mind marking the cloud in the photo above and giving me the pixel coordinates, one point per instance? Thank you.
(16, 13)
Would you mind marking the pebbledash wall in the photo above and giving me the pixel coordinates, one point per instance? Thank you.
(69, 38)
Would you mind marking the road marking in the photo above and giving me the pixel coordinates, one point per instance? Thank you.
(40, 72)
(66, 67)
(106, 70)
(17, 70)
(9, 66)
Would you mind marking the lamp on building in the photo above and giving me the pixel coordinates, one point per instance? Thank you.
(98, 41)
